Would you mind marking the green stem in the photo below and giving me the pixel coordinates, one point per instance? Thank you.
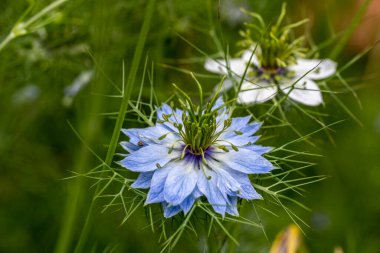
(5, 42)
(25, 25)
(74, 199)
(89, 126)
(121, 116)
(130, 81)
(235, 233)
(44, 11)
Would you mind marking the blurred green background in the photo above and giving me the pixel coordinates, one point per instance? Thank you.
(38, 149)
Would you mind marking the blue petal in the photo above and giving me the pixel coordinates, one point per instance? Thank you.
(226, 183)
(169, 210)
(149, 158)
(220, 118)
(187, 204)
(143, 135)
(258, 149)
(143, 180)
(175, 116)
(244, 160)
(237, 140)
(233, 183)
(196, 193)
(130, 147)
(151, 135)
(248, 192)
(210, 189)
(156, 191)
(222, 113)
(181, 181)
(246, 189)
(239, 123)
(218, 103)
(251, 128)
(164, 109)
(167, 110)
(232, 206)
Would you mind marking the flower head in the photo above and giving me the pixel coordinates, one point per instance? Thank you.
(193, 153)
(274, 64)
(261, 84)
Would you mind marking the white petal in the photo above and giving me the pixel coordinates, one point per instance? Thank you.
(235, 65)
(227, 84)
(319, 69)
(305, 91)
(247, 56)
(253, 93)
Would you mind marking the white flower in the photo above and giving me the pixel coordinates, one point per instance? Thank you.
(261, 84)
(77, 85)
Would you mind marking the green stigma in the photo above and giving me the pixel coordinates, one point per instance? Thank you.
(199, 132)
(199, 128)
(272, 43)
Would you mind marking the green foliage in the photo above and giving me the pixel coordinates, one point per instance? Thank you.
(43, 141)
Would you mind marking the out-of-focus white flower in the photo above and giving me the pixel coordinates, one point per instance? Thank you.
(78, 84)
(230, 10)
(262, 83)
(273, 63)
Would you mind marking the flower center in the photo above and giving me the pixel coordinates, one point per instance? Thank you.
(198, 135)
(202, 130)
(270, 75)
(200, 126)
(274, 48)
(199, 129)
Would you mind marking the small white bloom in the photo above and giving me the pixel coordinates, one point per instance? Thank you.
(77, 85)
(261, 84)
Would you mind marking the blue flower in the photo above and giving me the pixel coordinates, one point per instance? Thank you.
(186, 156)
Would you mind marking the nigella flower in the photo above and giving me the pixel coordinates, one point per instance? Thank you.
(262, 83)
(273, 64)
(194, 154)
